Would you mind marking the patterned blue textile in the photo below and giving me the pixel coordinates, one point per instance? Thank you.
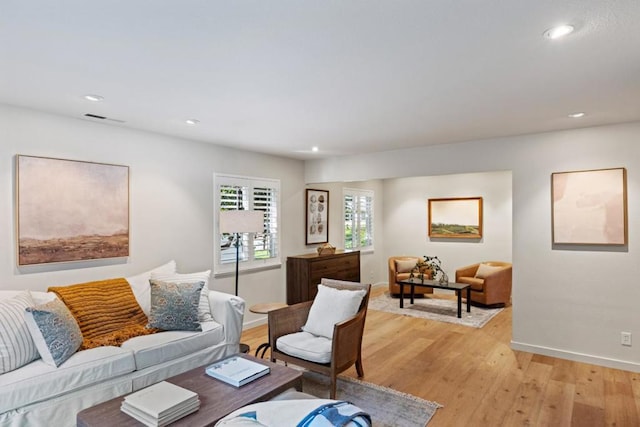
(55, 331)
(174, 306)
(336, 414)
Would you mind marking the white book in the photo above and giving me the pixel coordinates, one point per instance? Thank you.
(150, 421)
(237, 370)
(160, 399)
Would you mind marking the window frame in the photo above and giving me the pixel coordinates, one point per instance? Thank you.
(358, 193)
(251, 183)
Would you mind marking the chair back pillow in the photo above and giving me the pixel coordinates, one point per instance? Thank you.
(331, 306)
(485, 269)
(406, 265)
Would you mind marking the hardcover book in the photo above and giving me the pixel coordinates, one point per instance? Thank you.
(237, 370)
(160, 404)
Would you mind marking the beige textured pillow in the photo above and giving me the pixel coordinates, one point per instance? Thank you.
(485, 269)
(406, 265)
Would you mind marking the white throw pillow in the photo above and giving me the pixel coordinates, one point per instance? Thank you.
(204, 310)
(331, 306)
(485, 269)
(140, 284)
(16, 345)
(54, 330)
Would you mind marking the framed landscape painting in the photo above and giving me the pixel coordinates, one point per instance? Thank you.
(589, 207)
(317, 217)
(459, 218)
(70, 210)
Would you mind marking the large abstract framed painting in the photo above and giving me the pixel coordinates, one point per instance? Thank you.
(589, 207)
(70, 210)
(459, 218)
(317, 217)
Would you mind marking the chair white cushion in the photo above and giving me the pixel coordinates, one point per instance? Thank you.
(304, 345)
(16, 345)
(140, 284)
(204, 310)
(331, 306)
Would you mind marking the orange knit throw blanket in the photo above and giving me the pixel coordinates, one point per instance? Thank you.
(106, 311)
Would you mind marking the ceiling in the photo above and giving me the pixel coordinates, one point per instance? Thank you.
(347, 76)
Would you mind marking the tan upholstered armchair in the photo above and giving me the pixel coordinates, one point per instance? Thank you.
(490, 282)
(399, 269)
(318, 353)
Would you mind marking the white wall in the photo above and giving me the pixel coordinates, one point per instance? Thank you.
(405, 218)
(570, 303)
(171, 200)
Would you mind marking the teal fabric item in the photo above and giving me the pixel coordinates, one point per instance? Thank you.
(336, 414)
(56, 333)
(174, 306)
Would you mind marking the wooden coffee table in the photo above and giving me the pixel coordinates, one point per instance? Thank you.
(458, 287)
(217, 398)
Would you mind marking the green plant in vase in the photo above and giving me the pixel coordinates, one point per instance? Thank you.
(435, 265)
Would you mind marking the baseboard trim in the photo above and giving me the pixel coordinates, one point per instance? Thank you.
(577, 357)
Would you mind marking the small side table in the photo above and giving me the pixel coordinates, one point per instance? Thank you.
(265, 308)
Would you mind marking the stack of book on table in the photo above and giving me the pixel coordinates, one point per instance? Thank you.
(160, 404)
(237, 370)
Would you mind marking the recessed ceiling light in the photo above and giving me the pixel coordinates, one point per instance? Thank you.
(314, 149)
(94, 98)
(192, 122)
(559, 31)
(577, 115)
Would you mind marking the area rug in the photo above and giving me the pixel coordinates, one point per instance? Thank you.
(387, 407)
(434, 308)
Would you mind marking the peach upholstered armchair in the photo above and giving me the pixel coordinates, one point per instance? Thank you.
(490, 282)
(307, 335)
(399, 269)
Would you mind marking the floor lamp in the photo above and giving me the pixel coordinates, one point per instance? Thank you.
(237, 222)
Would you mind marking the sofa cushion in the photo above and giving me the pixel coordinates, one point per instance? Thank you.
(204, 310)
(107, 311)
(476, 284)
(306, 346)
(174, 306)
(331, 306)
(140, 284)
(164, 346)
(38, 381)
(16, 345)
(54, 330)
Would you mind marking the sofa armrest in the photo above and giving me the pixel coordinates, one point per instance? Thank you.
(468, 271)
(228, 310)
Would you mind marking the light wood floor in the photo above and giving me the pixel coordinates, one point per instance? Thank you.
(481, 381)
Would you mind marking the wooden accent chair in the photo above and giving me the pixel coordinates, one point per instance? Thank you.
(490, 282)
(329, 356)
(399, 269)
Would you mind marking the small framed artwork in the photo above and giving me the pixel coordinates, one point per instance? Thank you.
(69, 210)
(589, 207)
(459, 218)
(317, 217)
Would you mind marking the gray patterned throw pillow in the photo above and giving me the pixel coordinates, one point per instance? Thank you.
(174, 306)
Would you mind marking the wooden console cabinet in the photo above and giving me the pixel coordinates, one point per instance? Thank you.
(305, 271)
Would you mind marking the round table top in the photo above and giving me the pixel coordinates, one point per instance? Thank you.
(265, 307)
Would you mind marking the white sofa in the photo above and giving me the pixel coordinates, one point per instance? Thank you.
(39, 394)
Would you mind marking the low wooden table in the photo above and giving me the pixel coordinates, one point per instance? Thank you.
(265, 308)
(217, 398)
(458, 287)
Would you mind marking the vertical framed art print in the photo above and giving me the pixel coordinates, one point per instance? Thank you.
(69, 210)
(589, 207)
(317, 216)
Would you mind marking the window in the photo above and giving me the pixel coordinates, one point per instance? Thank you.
(358, 219)
(255, 249)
